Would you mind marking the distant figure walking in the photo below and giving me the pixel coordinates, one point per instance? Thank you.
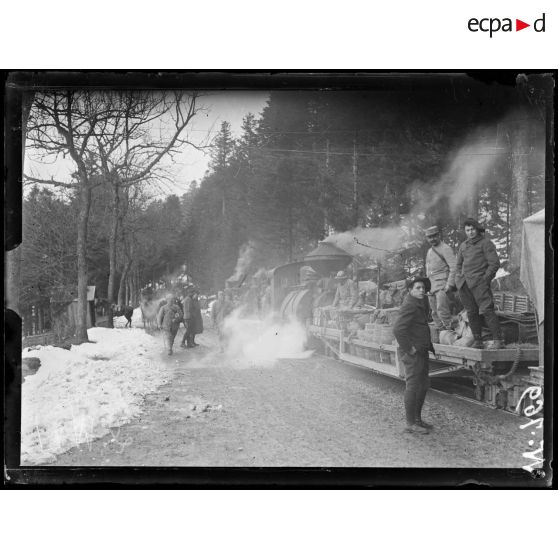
(197, 320)
(168, 319)
(221, 308)
(188, 304)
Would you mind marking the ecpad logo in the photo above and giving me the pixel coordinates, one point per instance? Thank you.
(493, 25)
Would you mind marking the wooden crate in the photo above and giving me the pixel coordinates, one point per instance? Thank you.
(510, 302)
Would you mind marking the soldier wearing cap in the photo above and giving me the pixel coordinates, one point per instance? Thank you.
(440, 269)
(476, 265)
(413, 336)
(346, 295)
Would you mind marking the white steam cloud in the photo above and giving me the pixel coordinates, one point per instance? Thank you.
(467, 170)
(245, 257)
(254, 342)
(377, 241)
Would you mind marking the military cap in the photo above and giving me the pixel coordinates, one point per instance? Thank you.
(424, 280)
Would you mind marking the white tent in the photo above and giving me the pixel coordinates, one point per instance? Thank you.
(532, 261)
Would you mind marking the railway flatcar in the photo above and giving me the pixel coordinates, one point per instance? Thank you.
(363, 335)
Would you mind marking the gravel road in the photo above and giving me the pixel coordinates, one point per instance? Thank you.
(299, 413)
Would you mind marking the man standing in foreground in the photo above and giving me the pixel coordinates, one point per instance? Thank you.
(413, 335)
(477, 264)
(440, 269)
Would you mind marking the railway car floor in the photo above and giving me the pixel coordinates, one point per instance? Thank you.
(314, 412)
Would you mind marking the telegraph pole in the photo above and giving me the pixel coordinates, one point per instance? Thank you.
(355, 191)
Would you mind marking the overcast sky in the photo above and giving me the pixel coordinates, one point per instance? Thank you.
(191, 164)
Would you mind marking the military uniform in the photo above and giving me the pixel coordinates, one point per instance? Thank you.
(476, 266)
(440, 269)
(169, 318)
(411, 331)
(346, 295)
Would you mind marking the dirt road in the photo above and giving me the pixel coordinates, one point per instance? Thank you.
(314, 412)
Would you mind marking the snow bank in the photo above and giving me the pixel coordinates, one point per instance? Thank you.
(77, 395)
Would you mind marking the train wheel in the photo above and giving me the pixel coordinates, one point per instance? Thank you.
(502, 399)
(479, 392)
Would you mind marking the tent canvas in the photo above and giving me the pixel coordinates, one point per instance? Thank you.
(532, 260)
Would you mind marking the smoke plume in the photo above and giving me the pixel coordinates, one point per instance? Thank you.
(245, 257)
(378, 241)
(467, 169)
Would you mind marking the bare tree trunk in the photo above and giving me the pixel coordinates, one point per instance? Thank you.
(519, 187)
(127, 291)
(121, 289)
(112, 251)
(291, 240)
(473, 205)
(134, 286)
(123, 292)
(83, 218)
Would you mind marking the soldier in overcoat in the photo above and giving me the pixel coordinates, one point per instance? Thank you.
(476, 266)
(168, 319)
(413, 336)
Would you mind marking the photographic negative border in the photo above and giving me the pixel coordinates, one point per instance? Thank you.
(17, 83)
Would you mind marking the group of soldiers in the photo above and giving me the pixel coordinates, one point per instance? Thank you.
(470, 273)
(174, 310)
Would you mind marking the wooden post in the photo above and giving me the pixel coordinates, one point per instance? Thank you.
(378, 285)
(519, 186)
(355, 191)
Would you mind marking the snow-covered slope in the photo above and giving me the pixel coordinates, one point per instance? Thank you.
(76, 395)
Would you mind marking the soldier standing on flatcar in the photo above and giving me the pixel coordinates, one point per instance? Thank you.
(440, 269)
(413, 336)
(477, 264)
(346, 295)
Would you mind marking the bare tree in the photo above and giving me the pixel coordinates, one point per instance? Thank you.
(63, 123)
(114, 139)
(144, 127)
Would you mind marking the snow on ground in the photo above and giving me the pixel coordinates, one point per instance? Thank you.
(77, 395)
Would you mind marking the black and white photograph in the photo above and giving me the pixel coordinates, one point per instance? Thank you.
(320, 272)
